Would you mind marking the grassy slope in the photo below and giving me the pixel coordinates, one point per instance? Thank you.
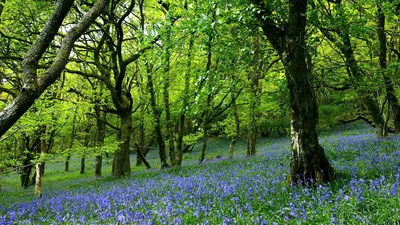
(242, 191)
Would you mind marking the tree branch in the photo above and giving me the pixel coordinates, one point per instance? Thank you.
(33, 88)
(105, 122)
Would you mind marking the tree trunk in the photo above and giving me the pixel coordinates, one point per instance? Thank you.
(169, 123)
(308, 162)
(390, 91)
(38, 180)
(121, 160)
(66, 164)
(157, 115)
(366, 98)
(207, 108)
(254, 78)
(82, 171)
(141, 140)
(237, 129)
(181, 129)
(86, 145)
(141, 145)
(40, 170)
(142, 157)
(27, 164)
(252, 134)
(100, 135)
(205, 129)
(205, 140)
(71, 143)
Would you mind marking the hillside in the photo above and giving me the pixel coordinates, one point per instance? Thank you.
(242, 191)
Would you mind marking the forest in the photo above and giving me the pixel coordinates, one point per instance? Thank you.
(199, 112)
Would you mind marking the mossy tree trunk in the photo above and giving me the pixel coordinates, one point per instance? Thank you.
(308, 161)
(121, 160)
(390, 91)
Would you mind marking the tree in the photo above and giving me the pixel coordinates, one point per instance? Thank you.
(33, 86)
(308, 162)
(390, 90)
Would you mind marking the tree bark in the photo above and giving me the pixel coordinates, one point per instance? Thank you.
(390, 91)
(366, 98)
(254, 78)
(86, 145)
(141, 146)
(38, 180)
(121, 160)
(356, 76)
(169, 123)
(140, 150)
(207, 112)
(308, 162)
(237, 129)
(33, 87)
(157, 115)
(82, 170)
(40, 165)
(31, 147)
(101, 117)
(71, 142)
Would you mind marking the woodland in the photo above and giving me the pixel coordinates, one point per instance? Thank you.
(199, 112)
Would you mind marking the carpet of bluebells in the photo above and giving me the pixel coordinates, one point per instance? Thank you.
(242, 191)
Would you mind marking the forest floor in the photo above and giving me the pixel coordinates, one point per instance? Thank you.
(220, 191)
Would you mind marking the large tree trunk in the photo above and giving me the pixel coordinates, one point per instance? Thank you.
(308, 162)
(121, 160)
(390, 91)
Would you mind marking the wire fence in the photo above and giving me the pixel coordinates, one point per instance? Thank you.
(14, 169)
